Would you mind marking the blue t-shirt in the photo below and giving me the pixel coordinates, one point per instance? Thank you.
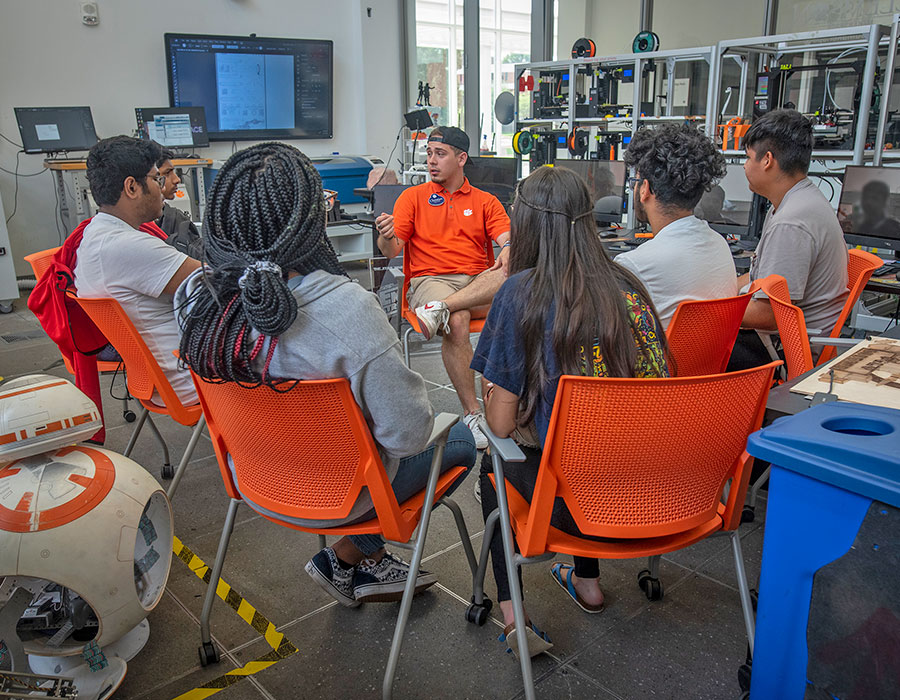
(500, 355)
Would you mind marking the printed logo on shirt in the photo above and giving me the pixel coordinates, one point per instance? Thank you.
(467, 212)
(435, 200)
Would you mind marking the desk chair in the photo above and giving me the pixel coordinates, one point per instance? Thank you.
(475, 325)
(40, 262)
(145, 380)
(860, 266)
(652, 484)
(306, 454)
(795, 342)
(701, 334)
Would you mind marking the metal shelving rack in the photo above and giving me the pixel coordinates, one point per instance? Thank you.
(774, 49)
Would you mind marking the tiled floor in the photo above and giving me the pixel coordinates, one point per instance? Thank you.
(688, 645)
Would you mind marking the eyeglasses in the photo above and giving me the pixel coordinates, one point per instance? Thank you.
(632, 181)
(160, 180)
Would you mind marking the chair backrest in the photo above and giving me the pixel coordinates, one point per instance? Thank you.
(304, 453)
(791, 325)
(701, 334)
(41, 260)
(860, 266)
(636, 458)
(144, 374)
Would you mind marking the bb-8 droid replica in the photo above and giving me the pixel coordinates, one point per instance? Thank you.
(85, 541)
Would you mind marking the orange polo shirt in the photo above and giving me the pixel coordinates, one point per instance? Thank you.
(448, 234)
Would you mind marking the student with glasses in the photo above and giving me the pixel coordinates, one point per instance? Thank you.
(117, 259)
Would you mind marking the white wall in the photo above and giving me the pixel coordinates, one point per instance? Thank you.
(49, 58)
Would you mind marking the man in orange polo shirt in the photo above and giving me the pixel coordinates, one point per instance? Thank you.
(447, 226)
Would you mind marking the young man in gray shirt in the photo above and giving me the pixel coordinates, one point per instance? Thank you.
(801, 239)
(686, 259)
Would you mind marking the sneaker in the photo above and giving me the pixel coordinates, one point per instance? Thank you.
(434, 316)
(473, 423)
(337, 581)
(384, 581)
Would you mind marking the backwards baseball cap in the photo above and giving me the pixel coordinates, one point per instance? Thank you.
(452, 136)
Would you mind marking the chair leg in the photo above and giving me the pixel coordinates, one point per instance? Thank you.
(186, 457)
(167, 466)
(137, 430)
(322, 542)
(463, 531)
(744, 588)
(478, 578)
(757, 485)
(410, 589)
(215, 574)
(406, 335)
(509, 554)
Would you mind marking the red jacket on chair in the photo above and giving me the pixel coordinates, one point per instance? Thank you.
(76, 336)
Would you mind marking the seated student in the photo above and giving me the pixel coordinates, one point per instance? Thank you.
(686, 259)
(116, 259)
(274, 304)
(608, 328)
(801, 238)
(177, 225)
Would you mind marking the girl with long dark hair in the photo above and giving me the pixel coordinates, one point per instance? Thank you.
(565, 309)
(273, 304)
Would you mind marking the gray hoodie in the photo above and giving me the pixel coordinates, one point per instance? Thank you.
(341, 331)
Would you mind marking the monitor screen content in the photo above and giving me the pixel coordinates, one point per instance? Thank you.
(254, 87)
(728, 202)
(606, 182)
(869, 207)
(173, 127)
(494, 175)
(55, 129)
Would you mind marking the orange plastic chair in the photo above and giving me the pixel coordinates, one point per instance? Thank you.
(701, 334)
(145, 379)
(307, 454)
(475, 325)
(40, 261)
(860, 266)
(650, 485)
(790, 322)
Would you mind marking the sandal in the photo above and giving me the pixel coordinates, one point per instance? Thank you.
(556, 571)
(538, 641)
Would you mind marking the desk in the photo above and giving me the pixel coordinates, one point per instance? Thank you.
(75, 171)
(783, 402)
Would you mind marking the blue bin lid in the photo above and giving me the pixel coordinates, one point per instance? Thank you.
(855, 447)
(341, 166)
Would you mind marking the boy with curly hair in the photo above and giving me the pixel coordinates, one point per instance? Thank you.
(686, 259)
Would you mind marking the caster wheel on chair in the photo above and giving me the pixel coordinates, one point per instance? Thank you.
(168, 471)
(129, 416)
(208, 654)
(748, 515)
(478, 614)
(652, 587)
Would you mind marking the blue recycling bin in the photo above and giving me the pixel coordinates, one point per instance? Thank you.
(828, 619)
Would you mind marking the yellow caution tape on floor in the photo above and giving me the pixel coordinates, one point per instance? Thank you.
(281, 646)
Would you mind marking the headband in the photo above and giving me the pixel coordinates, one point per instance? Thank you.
(258, 266)
(571, 218)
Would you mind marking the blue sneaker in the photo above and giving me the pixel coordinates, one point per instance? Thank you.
(334, 579)
(384, 581)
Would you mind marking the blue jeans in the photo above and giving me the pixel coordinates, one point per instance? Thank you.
(412, 477)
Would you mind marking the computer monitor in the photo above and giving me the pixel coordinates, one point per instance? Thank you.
(728, 205)
(606, 182)
(254, 87)
(494, 175)
(173, 127)
(384, 197)
(869, 207)
(55, 129)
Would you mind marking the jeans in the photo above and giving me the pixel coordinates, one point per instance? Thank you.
(522, 476)
(412, 477)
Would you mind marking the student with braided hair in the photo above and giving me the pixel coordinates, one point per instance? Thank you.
(273, 304)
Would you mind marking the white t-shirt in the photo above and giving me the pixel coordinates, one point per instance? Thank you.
(133, 267)
(685, 260)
